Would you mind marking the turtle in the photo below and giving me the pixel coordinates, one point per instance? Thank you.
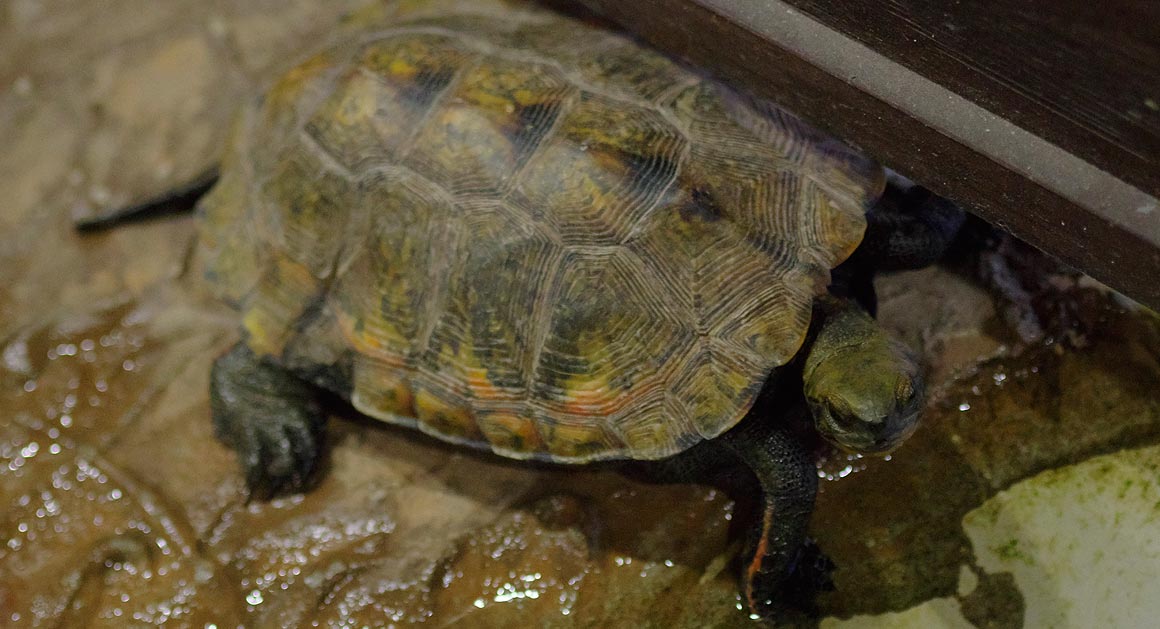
(524, 232)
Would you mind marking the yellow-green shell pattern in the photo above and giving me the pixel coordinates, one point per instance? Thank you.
(529, 234)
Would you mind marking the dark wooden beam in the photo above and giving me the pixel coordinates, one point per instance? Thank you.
(1040, 116)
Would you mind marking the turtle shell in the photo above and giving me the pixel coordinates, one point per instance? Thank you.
(525, 233)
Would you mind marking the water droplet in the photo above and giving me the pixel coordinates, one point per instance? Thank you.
(254, 598)
(964, 406)
(23, 87)
(479, 602)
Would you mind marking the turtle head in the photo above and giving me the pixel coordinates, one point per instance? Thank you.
(864, 388)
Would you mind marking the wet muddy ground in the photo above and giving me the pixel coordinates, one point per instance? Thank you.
(1035, 463)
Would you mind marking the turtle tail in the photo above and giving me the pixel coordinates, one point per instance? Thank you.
(175, 201)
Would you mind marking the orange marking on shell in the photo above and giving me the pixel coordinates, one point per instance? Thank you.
(576, 439)
(394, 395)
(512, 431)
(482, 388)
(455, 420)
(281, 295)
(582, 402)
(368, 341)
(586, 395)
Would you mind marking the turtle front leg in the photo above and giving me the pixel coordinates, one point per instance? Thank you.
(782, 569)
(910, 227)
(270, 417)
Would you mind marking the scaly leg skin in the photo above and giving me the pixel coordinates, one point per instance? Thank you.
(270, 417)
(763, 461)
(782, 570)
(908, 228)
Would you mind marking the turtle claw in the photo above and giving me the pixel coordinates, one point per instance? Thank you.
(782, 597)
(270, 418)
(812, 570)
(277, 453)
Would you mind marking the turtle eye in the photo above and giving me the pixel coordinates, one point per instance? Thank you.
(842, 410)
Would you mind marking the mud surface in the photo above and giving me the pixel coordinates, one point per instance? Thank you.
(119, 507)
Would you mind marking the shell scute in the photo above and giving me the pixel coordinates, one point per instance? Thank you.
(611, 365)
(307, 223)
(384, 95)
(392, 270)
(483, 339)
(618, 159)
(475, 140)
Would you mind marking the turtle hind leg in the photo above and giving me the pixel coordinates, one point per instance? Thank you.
(782, 570)
(179, 199)
(270, 417)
